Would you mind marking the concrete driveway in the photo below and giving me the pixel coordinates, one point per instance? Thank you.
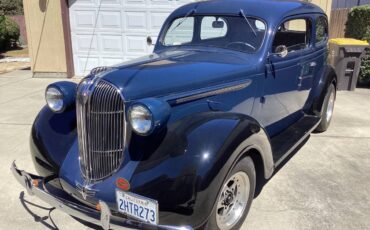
(325, 185)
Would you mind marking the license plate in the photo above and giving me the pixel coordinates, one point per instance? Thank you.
(136, 206)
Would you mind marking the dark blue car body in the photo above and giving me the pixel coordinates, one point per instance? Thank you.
(224, 104)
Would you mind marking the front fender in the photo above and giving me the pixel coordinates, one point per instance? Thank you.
(51, 137)
(185, 172)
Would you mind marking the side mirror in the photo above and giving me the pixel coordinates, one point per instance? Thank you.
(149, 41)
(281, 51)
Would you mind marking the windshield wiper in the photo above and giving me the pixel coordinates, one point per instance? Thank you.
(246, 19)
(192, 11)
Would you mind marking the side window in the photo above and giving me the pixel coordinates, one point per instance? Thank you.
(321, 29)
(213, 27)
(180, 32)
(294, 34)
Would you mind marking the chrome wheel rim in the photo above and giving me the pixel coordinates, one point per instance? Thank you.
(233, 200)
(330, 109)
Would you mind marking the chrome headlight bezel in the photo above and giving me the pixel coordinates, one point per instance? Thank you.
(155, 113)
(141, 119)
(60, 96)
(54, 99)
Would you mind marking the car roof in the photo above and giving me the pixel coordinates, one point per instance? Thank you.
(266, 9)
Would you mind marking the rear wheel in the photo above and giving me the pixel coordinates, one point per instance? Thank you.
(235, 197)
(328, 109)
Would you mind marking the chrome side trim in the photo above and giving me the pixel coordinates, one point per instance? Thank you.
(207, 92)
(102, 218)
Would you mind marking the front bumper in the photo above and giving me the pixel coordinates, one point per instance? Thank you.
(35, 185)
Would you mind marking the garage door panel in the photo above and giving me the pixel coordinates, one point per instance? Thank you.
(157, 19)
(111, 44)
(162, 3)
(76, 3)
(120, 31)
(110, 20)
(134, 2)
(110, 61)
(80, 60)
(136, 45)
(135, 21)
(84, 19)
(110, 2)
(83, 42)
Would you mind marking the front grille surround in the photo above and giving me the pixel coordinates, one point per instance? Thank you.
(101, 128)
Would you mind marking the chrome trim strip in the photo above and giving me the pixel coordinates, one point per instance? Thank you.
(193, 95)
(103, 218)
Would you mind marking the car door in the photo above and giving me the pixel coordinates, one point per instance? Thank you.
(287, 81)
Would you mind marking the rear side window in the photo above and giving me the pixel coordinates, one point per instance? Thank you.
(321, 29)
(294, 34)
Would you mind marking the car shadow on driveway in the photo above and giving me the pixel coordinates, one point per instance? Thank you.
(25, 203)
(43, 219)
(262, 181)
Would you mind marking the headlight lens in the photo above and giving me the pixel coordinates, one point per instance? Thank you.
(141, 119)
(54, 99)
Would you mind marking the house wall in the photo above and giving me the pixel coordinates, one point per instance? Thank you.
(325, 5)
(45, 37)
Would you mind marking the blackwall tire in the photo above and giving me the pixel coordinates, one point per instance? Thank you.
(328, 109)
(243, 173)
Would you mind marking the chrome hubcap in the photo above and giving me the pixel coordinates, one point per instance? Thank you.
(329, 110)
(232, 200)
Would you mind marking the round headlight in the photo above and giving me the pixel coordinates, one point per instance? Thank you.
(141, 119)
(54, 99)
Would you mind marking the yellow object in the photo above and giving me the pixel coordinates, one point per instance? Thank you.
(348, 41)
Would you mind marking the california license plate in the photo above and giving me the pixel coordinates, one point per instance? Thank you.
(136, 206)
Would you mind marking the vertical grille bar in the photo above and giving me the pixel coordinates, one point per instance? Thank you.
(101, 129)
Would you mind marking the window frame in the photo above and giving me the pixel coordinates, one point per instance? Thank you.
(324, 41)
(309, 26)
(161, 46)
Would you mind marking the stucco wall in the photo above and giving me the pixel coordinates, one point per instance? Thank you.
(324, 4)
(45, 37)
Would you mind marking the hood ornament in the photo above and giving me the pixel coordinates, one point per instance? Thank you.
(85, 190)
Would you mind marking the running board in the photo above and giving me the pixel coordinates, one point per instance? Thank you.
(284, 143)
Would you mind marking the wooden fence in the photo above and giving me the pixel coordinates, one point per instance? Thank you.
(338, 21)
(19, 19)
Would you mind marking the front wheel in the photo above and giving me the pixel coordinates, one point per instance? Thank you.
(235, 197)
(328, 109)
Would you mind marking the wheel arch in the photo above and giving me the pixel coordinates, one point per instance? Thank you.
(326, 77)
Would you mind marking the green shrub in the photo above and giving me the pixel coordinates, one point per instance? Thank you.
(358, 27)
(11, 7)
(9, 32)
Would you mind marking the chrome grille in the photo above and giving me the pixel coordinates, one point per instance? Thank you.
(101, 129)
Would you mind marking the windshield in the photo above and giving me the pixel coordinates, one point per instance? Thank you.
(243, 34)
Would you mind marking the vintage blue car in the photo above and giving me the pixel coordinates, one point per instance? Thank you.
(180, 139)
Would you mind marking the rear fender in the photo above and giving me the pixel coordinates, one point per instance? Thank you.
(326, 77)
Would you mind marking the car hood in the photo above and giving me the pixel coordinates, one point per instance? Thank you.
(179, 71)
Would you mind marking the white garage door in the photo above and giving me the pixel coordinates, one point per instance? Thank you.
(120, 32)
